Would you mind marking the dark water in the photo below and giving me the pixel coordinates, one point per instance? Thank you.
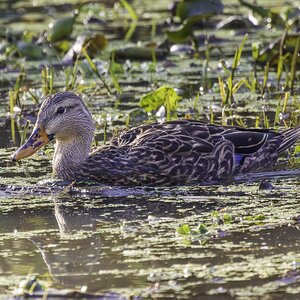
(124, 242)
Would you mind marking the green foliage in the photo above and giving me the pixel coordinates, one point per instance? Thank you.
(71, 74)
(47, 80)
(264, 12)
(192, 12)
(30, 50)
(185, 229)
(133, 15)
(61, 29)
(256, 219)
(255, 50)
(130, 31)
(184, 31)
(232, 87)
(294, 63)
(12, 118)
(222, 90)
(227, 218)
(95, 70)
(113, 69)
(297, 150)
(163, 96)
(186, 9)
(238, 53)
(93, 44)
(23, 131)
(201, 229)
(266, 76)
(14, 101)
(139, 52)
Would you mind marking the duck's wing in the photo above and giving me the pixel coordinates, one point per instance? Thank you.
(169, 153)
(259, 149)
(185, 151)
(290, 137)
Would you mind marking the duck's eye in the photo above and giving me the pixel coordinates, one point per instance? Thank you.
(61, 110)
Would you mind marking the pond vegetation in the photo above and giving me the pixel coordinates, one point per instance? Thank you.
(230, 63)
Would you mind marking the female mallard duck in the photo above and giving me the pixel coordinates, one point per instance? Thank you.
(176, 152)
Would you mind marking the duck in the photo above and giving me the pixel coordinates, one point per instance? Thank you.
(177, 152)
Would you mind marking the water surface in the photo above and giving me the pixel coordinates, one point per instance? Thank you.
(123, 242)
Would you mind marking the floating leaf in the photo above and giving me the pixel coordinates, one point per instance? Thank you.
(260, 10)
(215, 214)
(92, 44)
(297, 150)
(142, 53)
(192, 8)
(30, 50)
(164, 95)
(184, 229)
(263, 12)
(259, 218)
(184, 31)
(190, 13)
(271, 53)
(235, 22)
(61, 29)
(227, 218)
(95, 43)
(201, 228)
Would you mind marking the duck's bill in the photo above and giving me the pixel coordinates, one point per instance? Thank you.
(37, 140)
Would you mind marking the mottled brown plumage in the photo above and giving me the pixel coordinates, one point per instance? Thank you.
(170, 153)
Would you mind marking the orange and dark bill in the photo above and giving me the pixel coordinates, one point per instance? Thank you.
(37, 140)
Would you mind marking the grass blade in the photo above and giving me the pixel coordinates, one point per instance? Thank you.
(222, 90)
(95, 70)
(294, 63)
(129, 9)
(12, 118)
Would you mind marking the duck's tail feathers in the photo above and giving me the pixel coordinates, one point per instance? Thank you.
(290, 137)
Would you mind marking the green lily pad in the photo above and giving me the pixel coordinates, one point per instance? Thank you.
(186, 9)
(271, 52)
(184, 31)
(140, 53)
(191, 13)
(30, 50)
(61, 29)
(164, 95)
(263, 12)
(201, 229)
(184, 229)
(92, 44)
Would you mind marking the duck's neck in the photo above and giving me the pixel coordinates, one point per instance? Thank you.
(70, 154)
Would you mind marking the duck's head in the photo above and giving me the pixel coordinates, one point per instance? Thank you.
(62, 116)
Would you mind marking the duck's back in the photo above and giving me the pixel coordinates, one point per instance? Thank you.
(181, 152)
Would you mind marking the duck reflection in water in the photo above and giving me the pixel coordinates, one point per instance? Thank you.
(73, 256)
(78, 256)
